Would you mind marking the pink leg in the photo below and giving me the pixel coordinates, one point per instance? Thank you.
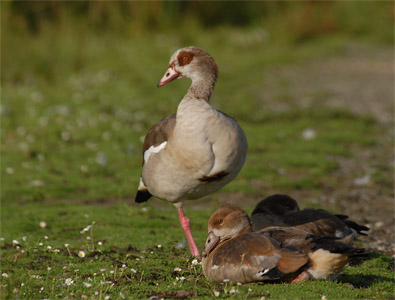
(302, 277)
(185, 224)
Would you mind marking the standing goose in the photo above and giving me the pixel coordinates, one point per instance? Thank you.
(196, 151)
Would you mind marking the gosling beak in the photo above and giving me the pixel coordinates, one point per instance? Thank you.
(170, 75)
(211, 242)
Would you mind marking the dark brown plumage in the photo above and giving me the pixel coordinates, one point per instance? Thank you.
(282, 210)
(328, 255)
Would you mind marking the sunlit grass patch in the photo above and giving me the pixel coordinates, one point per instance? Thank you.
(37, 263)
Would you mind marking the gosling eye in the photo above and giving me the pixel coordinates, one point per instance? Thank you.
(220, 221)
(185, 58)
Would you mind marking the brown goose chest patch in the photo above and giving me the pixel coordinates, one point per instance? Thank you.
(184, 58)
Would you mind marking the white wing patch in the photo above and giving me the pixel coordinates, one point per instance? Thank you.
(153, 149)
(263, 272)
(141, 185)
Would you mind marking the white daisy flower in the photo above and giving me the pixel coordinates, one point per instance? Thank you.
(15, 242)
(87, 284)
(133, 270)
(216, 293)
(195, 262)
(100, 243)
(226, 280)
(5, 275)
(81, 254)
(66, 245)
(69, 281)
(177, 269)
(24, 238)
(42, 224)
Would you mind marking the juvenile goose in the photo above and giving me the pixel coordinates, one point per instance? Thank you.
(282, 210)
(196, 151)
(233, 252)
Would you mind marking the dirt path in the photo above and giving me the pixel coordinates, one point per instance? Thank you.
(361, 80)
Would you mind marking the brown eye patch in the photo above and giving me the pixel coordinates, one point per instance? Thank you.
(184, 58)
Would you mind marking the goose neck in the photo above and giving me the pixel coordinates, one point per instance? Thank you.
(201, 88)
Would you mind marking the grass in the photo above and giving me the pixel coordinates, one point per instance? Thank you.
(137, 260)
(74, 110)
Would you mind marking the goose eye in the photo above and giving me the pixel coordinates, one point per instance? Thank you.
(185, 59)
(220, 221)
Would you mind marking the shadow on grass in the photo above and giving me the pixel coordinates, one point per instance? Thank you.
(363, 281)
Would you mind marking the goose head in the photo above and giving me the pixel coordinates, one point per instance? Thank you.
(191, 62)
(225, 223)
(277, 205)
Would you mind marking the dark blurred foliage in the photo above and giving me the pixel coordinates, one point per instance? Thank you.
(300, 20)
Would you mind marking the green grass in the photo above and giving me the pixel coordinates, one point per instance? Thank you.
(74, 110)
(128, 242)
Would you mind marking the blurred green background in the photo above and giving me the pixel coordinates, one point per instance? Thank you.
(78, 88)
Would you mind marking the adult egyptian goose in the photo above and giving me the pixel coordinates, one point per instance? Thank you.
(233, 252)
(282, 210)
(196, 151)
(328, 255)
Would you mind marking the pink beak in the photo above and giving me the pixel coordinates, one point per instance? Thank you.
(170, 75)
